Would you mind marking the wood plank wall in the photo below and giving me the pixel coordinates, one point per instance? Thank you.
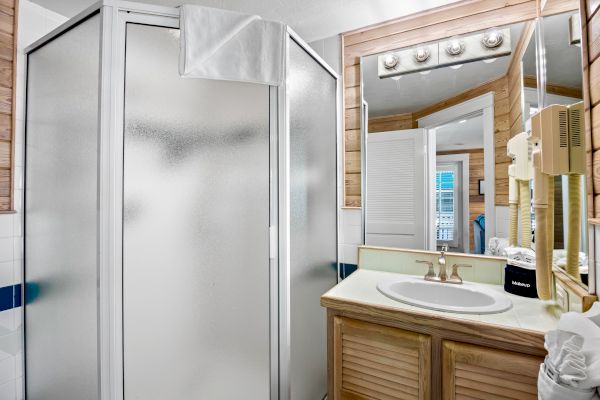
(591, 94)
(8, 60)
(454, 19)
(395, 122)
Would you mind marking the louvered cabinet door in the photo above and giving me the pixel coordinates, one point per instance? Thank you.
(378, 362)
(475, 372)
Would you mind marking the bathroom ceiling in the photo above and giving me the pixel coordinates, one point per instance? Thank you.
(458, 135)
(312, 19)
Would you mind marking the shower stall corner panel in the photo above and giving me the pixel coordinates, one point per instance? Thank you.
(61, 207)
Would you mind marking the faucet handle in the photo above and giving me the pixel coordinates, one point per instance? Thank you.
(454, 276)
(430, 272)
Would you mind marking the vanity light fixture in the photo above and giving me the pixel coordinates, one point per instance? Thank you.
(421, 54)
(492, 38)
(452, 52)
(455, 47)
(390, 61)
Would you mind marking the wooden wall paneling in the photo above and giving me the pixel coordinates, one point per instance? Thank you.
(590, 25)
(352, 138)
(552, 7)
(595, 81)
(394, 122)
(449, 25)
(457, 18)
(426, 18)
(8, 59)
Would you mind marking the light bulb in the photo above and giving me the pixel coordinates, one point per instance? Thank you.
(421, 54)
(492, 38)
(425, 72)
(397, 78)
(462, 121)
(455, 47)
(457, 66)
(390, 61)
(489, 60)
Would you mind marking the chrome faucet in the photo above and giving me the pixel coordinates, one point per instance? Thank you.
(443, 274)
(442, 269)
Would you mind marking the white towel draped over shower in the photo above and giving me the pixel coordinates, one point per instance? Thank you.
(226, 45)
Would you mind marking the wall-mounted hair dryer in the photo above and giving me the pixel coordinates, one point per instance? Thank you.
(520, 173)
(558, 149)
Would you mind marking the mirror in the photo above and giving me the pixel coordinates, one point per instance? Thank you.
(563, 84)
(435, 129)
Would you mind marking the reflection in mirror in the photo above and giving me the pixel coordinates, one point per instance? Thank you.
(436, 164)
(438, 125)
(529, 84)
(563, 85)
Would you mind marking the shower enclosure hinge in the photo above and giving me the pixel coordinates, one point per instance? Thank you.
(272, 242)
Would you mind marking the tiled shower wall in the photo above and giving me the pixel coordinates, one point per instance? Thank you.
(34, 22)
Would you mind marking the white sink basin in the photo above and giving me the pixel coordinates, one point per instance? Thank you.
(467, 298)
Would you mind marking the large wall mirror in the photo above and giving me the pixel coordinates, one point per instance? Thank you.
(437, 118)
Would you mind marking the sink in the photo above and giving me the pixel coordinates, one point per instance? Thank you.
(467, 298)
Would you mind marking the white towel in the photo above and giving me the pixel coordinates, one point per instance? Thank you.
(587, 325)
(565, 358)
(225, 45)
(550, 390)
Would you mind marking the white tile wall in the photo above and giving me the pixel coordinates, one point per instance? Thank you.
(34, 22)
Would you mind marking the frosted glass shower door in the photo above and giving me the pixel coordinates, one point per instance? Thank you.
(313, 218)
(196, 229)
(61, 203)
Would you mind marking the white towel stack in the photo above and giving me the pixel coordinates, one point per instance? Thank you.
(571, 369)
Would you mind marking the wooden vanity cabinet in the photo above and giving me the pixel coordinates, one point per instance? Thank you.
(374, 361)
(476, 372)
(378, 362)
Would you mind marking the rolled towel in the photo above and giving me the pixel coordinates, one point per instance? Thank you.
(548, 389)
(587, 326)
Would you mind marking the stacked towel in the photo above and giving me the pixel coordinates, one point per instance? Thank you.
(497, 247)
(571, 369)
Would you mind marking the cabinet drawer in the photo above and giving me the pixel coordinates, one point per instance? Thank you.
(378, 362)
(475, 372)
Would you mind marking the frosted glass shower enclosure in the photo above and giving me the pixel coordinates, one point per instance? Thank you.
(178, 232)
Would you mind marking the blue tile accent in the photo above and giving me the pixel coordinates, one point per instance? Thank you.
(10, 297)
(346, 270)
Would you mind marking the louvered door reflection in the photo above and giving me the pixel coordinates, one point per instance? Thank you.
(378, 362)
(474, 372)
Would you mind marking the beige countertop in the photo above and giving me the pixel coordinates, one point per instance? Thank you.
(526, 313)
